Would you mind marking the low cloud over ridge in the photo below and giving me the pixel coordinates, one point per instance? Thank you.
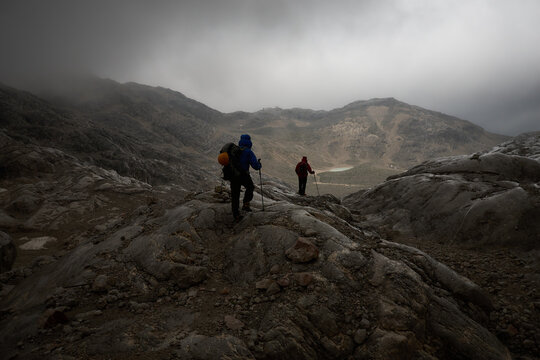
(471, 59)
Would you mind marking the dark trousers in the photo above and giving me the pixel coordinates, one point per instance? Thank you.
(245, 181)
(302, 185)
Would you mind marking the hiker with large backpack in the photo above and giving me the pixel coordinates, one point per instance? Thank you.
(302, 169)
(236, 161)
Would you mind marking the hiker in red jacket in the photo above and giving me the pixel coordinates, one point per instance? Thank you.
(302, 169)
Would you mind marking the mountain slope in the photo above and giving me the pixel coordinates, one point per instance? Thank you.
(126, 122)
(130, 150)
(151, 114)
(386, 133)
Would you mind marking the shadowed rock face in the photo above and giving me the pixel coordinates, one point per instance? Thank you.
(482, 199)
(176, 277)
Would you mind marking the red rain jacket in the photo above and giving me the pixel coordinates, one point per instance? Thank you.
(302, 168)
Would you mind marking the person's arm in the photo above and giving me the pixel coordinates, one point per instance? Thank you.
(254, 162)
(309, 169)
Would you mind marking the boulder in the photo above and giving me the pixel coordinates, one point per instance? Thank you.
(303, 251)
(233, 323)
(304, 278)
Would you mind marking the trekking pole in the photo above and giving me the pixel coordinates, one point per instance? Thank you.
(262, 196)
(318, 193)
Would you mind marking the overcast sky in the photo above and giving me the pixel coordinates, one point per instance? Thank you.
(475, 59)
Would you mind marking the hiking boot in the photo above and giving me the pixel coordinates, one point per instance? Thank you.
(246, 207)
(237, 218)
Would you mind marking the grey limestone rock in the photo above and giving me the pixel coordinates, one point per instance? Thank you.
(457, 284)
(302, 251)
(409, 310)
(490, 199)
(255, 251)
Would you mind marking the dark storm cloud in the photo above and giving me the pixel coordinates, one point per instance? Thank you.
(42, 37)
(506, 112)
(474, 59)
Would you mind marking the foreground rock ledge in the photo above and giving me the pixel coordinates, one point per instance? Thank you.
(187, 282)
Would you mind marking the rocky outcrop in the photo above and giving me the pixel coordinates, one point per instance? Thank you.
(522, 145)
(303, 251)
(482, 199)
(289, 282)
(48, 190)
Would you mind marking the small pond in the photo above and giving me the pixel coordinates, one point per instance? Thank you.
(341, 169)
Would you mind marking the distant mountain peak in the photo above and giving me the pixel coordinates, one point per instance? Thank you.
(374, 102)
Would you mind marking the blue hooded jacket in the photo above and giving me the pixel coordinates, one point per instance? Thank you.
(248, 157)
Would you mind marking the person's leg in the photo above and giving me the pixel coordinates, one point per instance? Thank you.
(299, 185)
(248, 195)
(235, 197)
(303, 186)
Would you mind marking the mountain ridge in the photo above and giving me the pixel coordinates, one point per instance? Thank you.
(383, 133)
